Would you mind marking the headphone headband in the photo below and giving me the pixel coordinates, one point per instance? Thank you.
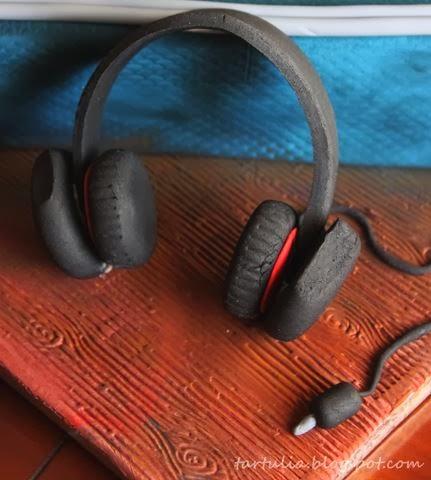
(265, 38)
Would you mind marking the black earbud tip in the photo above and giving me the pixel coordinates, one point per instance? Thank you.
(336, 404)
(331, 408)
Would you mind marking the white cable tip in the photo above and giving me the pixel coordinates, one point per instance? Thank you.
(106, 270)
(305, 425)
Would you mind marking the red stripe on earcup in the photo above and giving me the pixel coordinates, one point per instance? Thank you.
(277, 269)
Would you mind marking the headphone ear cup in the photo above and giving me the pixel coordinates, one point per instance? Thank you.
(57, 217)
(255, 256)
(299, 304)
(120, 209)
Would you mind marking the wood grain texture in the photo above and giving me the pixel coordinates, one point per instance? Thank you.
(146, 369)
(405, 454)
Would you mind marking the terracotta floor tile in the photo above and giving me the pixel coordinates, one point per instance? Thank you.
(27, 436)
(74, 463)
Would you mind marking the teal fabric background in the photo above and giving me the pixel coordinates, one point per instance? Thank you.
(212, 94)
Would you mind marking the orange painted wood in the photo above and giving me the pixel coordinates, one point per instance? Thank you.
(148, 371)
(409, 443)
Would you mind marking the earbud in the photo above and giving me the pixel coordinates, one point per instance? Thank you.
(331, 408)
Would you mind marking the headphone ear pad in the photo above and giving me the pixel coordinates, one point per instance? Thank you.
(300, 303)
(57, 217)
(120, 209)
(255, 256)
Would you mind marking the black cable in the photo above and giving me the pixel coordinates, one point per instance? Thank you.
(378, 249)
(409, 336)
(341, 401)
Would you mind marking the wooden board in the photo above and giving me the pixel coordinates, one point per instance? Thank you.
(405, 454)
(147, 370)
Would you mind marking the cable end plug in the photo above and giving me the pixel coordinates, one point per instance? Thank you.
(331, 408)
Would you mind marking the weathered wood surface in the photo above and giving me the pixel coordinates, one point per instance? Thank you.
(410, 442)
(147, 369)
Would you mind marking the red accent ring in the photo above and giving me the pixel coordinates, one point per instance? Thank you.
(277, 269)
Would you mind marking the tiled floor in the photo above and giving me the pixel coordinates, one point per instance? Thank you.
(29, 440)
(73, 463)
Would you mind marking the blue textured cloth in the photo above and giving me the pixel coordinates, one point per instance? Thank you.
(212, 94)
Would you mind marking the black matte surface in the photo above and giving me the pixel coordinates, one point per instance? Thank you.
(255, 255)
(272, 43)
(57, 217)
(336, 404)
(300, 303)
(122, 209)
(378, 249)
(408, 337)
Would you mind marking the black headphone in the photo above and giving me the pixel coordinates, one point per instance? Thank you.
(286, 268)
(116, 199)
